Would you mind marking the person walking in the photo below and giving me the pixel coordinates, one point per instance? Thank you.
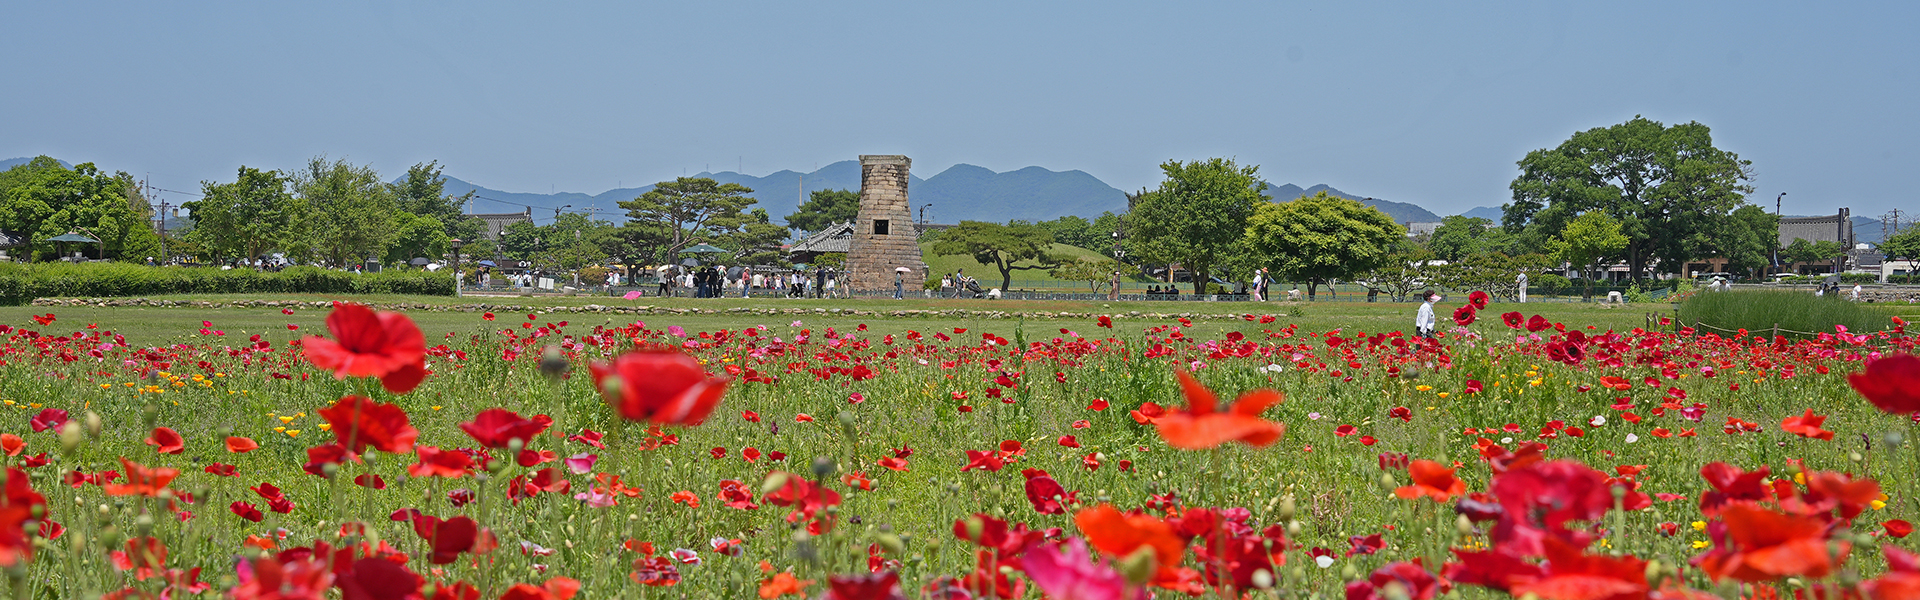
(899, 285)
(1260, 285)
(1856, 292)
(1423, 322)
(1522, 281)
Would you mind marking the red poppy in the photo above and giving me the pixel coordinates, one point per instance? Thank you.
(359, 422)
(1474, 386)
(318, 457)
(1538, 324)
(1807, 426)
(166, 440)
(1767, 545)
(1897, 528)
(1891, 382)
(222, 469)
(440, 463)
(1044, 493)
(376, 577)
(1477, 299)
(12, 444)
(1104, 321)
(141, 481)
(1433, 480)
(659, 386)
(1570, 574)
(51, 418)
(448, 537)
(497, 427)
(386, 345)
(240, 445)
(1464, 315)
(1147, 413)
(246, 510)
(806, 498)
(1198, 427)
(985, 461)
(1513, 319)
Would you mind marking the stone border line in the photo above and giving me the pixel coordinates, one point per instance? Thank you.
(642, 310)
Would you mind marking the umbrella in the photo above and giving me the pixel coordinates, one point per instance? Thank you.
(486, 263)
(691, 262)
(420, 262)
(704, 249)
(72, 237)
(902, 270)
(632, 295)
(733, 273)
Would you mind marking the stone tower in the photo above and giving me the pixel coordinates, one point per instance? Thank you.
(883, 236)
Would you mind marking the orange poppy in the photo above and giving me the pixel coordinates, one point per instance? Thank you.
(1433, 480)
(141, 481)
(783, 584)
(1119, 535)
(1807, 426)
(1199, 427)
(240, 445)
(1768, 545)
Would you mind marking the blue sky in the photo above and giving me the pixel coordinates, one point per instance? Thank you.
(1430, 103)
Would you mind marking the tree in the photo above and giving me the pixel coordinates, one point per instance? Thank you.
(1459, 236)
(1904, 244)
(1080, 233)
(423, 192)
(999, 246)
(351, 213)
(250, 217)
(754, 240)
(1746, 240)
(521, 240)
(1587, 239)
(823, 208)
(1096, 273)
(1803, 251)
(417, 236)
(1198, 214)
(1406, 268)
(1665, 185)
(43, 199)
(676, 214)
(1321, 238)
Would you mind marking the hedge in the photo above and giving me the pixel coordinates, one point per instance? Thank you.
(1759, 311)
(22, 283)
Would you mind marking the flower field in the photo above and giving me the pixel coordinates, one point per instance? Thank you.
(529, 457)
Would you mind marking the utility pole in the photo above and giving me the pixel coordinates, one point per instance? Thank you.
(1776, 230)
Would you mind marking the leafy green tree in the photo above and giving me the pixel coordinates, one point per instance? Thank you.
(1803, 251)
(351, 212)
(1904, 244)
(417, 236)
(522, 240)
(1002, 247)
(1407, 267)
(823, 208)
(1079, 232)
(679, 213)
(754, 240)
(1587, 239)
(1665, 185)
(43, 199)
(423, 192)
(1460, 236)
(250, 217)
(1197, 216)
(1096, 273)
(1322, 238)
(1746, 240)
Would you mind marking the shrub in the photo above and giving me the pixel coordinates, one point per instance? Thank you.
(22, 283)
(1551, 284)
(1759, 311)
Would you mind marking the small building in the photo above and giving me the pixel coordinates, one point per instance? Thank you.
(837, 237)
(1832, 228)
(498, 222)
(10, 240)
(1421, 229)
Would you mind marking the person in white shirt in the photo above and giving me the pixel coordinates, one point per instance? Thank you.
(1423, 322)
(1856, 292)
(1522, 282)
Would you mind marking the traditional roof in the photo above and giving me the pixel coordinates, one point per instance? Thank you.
(1830, 228)
(837, 237)
(9, 239)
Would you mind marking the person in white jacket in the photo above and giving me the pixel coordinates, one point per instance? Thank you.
(1423, 322)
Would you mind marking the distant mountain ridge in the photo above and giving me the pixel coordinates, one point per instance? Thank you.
(14, 162)
(1400, 211)
(962, 192)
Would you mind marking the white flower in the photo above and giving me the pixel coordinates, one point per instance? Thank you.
(1323, 561)
(1631, 438)
(1273, 368)
(1597, 420)
(1506, 440)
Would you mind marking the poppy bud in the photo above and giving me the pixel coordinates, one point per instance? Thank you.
(552, 363)
(143, 524)
(1654, 570)
(329, 470)
(1262, 579)
(1139, 566)
(891, 543)
(69, 437)
(110, 536)
(975, 528)
(1349, 573)
(1463, 525)
(1386, 479)
(78, 541)
(1293, 528)
(611, 387)
(773, 482)
(1287, 508)
(1396, 591)
(849, 425)
(149, 413)
(515, 445)
(824, 467)
(1892, 438)
(1855, 457)
(93, 424)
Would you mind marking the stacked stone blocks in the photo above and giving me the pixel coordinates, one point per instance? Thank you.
(884, 238)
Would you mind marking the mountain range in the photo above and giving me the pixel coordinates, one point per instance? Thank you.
(962, 192)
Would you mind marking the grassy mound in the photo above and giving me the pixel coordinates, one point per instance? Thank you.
(1761, 311)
